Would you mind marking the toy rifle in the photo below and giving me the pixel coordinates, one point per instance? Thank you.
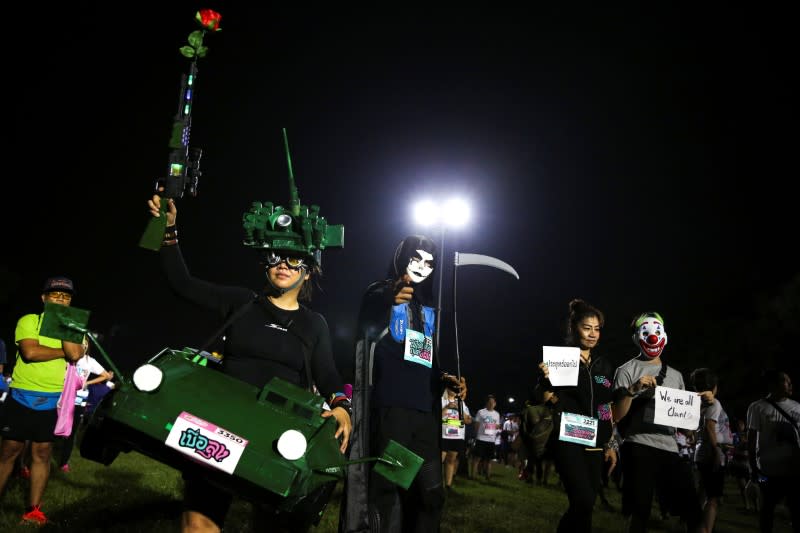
(183, 165)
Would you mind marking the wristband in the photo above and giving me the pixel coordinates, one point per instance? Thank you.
(344, 404)
(612, 445)
(170, 236)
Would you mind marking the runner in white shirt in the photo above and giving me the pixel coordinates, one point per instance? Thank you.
(487, 427)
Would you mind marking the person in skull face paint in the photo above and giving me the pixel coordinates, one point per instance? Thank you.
(650, 451)
(397, 314)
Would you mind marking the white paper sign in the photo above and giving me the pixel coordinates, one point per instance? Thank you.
(563, 363)
(677, 408)
(205, 442)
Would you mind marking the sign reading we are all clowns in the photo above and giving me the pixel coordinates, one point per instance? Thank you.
(677, 408)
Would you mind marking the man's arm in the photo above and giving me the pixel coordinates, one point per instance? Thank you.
(624, 392)
(33, 352)
(622, 396)
(752, 435)
(105, 376)
(711, 432)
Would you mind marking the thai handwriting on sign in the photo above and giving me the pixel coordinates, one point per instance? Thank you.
(203, 446)
(421, 347)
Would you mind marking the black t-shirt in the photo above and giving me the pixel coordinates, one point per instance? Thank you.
(259, 344)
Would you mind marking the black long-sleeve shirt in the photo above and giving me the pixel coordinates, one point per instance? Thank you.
(259, 344)
(591, 396)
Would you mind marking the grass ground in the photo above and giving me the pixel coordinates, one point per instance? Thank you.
(137, 494)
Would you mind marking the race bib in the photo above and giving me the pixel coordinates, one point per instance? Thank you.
(452, 429)
(205, 442)
(490, 428)
(579, 429)
(419, 348)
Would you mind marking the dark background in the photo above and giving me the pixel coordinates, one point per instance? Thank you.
(639, 159)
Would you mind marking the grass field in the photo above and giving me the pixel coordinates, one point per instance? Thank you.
(137, 494)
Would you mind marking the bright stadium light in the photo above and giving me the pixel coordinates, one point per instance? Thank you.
(453, 212)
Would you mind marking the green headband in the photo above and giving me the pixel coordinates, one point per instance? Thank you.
(644, 316)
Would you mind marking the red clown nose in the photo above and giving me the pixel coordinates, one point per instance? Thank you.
(652, 339)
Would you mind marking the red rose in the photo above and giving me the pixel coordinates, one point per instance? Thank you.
(209, 19)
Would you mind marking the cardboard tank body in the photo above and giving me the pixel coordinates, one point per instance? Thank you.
(268, 444)
(210, 416)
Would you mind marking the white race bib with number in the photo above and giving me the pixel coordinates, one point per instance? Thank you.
(579, 429)
(453, 431)
(206, 442)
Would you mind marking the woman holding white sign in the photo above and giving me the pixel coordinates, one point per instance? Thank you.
(583, 422)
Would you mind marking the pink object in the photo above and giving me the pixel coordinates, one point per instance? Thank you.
(348, 390)
(66, 404)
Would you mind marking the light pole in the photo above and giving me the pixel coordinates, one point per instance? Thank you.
(439, 289)
(453, 212)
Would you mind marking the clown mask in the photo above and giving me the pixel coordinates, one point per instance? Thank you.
(650, 336)
(420, 266)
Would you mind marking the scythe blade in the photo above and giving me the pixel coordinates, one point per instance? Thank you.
(462, 259)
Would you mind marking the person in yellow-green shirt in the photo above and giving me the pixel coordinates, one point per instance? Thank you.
(36, 384)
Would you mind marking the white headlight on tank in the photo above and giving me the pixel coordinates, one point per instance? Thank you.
(147, 378)
(292, 444)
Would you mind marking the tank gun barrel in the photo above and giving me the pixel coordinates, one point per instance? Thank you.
(295, 200)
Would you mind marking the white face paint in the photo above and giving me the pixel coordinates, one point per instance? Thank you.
(651, 337)
(420, 267)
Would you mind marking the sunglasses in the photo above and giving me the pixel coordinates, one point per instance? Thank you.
(272, 259)
(57, 295)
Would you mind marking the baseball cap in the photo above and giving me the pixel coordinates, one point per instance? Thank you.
(59, 283)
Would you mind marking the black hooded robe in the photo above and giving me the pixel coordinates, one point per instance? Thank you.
(389, 388)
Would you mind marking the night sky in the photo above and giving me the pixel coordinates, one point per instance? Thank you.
(640, 160)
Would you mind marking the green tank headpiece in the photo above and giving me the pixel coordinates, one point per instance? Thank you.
(298, 228)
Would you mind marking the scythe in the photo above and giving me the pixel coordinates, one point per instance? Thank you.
(463, 259)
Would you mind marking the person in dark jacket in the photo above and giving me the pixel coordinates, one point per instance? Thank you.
(397, 320)
(579, 464)
(271, 337)
(535, 431)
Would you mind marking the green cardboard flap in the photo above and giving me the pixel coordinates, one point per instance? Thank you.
(64, 323)
(398, 464)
